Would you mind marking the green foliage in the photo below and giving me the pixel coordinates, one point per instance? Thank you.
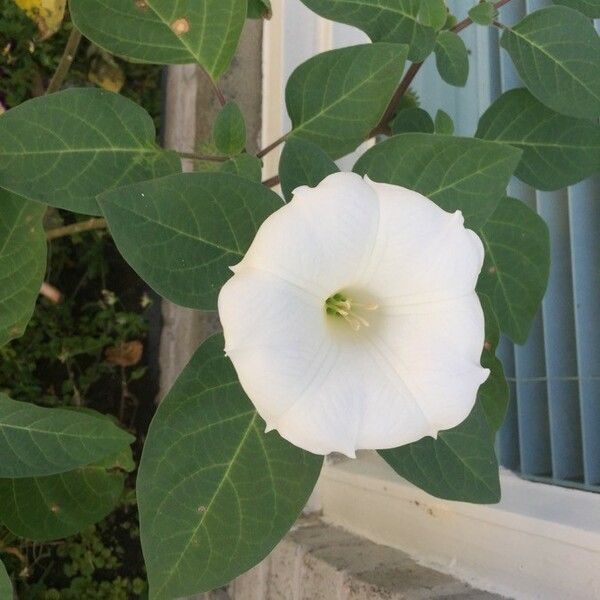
(459, 465)
(212, 484)
(43, 441)
(244, 165)
(443, 123)
(590, 8)
(456, 173)
(516, 267)
(22, 262)
(394, 21)
(483, 13)
(78, 143)
(6, 590)
(182, 233)
(259, 9)
(412, 120)
(336, 98)
(54, 507)
(229, 130)
(557, 150)
(433, 13)
(303, 163)
(493, 394)
(556, 51)
(452, 58)
(173, 32)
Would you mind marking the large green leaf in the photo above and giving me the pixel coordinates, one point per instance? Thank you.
(164, 31)
(336, 98)
(54, 507)
(383, 21)
(459, 465)
(557, 150)
(38, 441)
(6, 590)
(182, 233)
(65, 148)
(493, 393)
(516, 267)
(303, 163)
(590, 8)
(457, 173)
(215, 492)
(413, 119)
(556, 51)
(229, 130)
(452, 58)
(22, 262)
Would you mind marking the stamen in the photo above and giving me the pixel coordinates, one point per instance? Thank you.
(341, 306)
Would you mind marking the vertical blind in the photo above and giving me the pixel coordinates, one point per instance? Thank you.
(552, 430)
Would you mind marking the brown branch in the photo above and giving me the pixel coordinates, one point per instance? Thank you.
(80, 227)
(66, 60)
(272, 181)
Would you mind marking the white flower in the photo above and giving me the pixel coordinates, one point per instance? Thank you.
(352, 321)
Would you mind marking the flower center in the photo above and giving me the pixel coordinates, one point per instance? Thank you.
(342, 306)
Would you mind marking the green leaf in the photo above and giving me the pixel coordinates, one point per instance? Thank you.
(215, 492)
(459, 465)
(557, 150)
(556, 51)
(244, 165)
(38, 441)
(164, 31)
(412, 120)
(452, 58)
(182, 233)
(483, 13)
(516, 267)
(336, 98)
(456, 173)
(65, 148)
(590, 8)
(394, 21)
(433, 13)
(259, 9)
(303, 163)
(54, 507)
(443, 123)
(6, 589)
(22, 262)
(493, 393)
(229, 131)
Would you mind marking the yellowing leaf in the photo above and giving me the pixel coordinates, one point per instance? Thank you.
(107, 75)
(48, 14)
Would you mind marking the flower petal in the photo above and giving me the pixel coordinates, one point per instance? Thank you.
(322, 238)
(423, 253)
(437, 349)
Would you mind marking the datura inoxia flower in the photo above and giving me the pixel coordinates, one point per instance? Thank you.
(353, 322)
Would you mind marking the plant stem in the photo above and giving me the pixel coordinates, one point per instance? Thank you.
(80, 227)
(272, 181)
(194, 156)
(65, 61)
(411, 73)
(271, 146)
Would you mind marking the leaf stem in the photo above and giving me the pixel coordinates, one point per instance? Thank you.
(80, 227)
(66, 60)
(272, 181)
(272, 146)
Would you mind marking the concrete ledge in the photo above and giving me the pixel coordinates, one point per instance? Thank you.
(317, 561)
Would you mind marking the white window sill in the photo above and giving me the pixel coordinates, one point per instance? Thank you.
(540, 541)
